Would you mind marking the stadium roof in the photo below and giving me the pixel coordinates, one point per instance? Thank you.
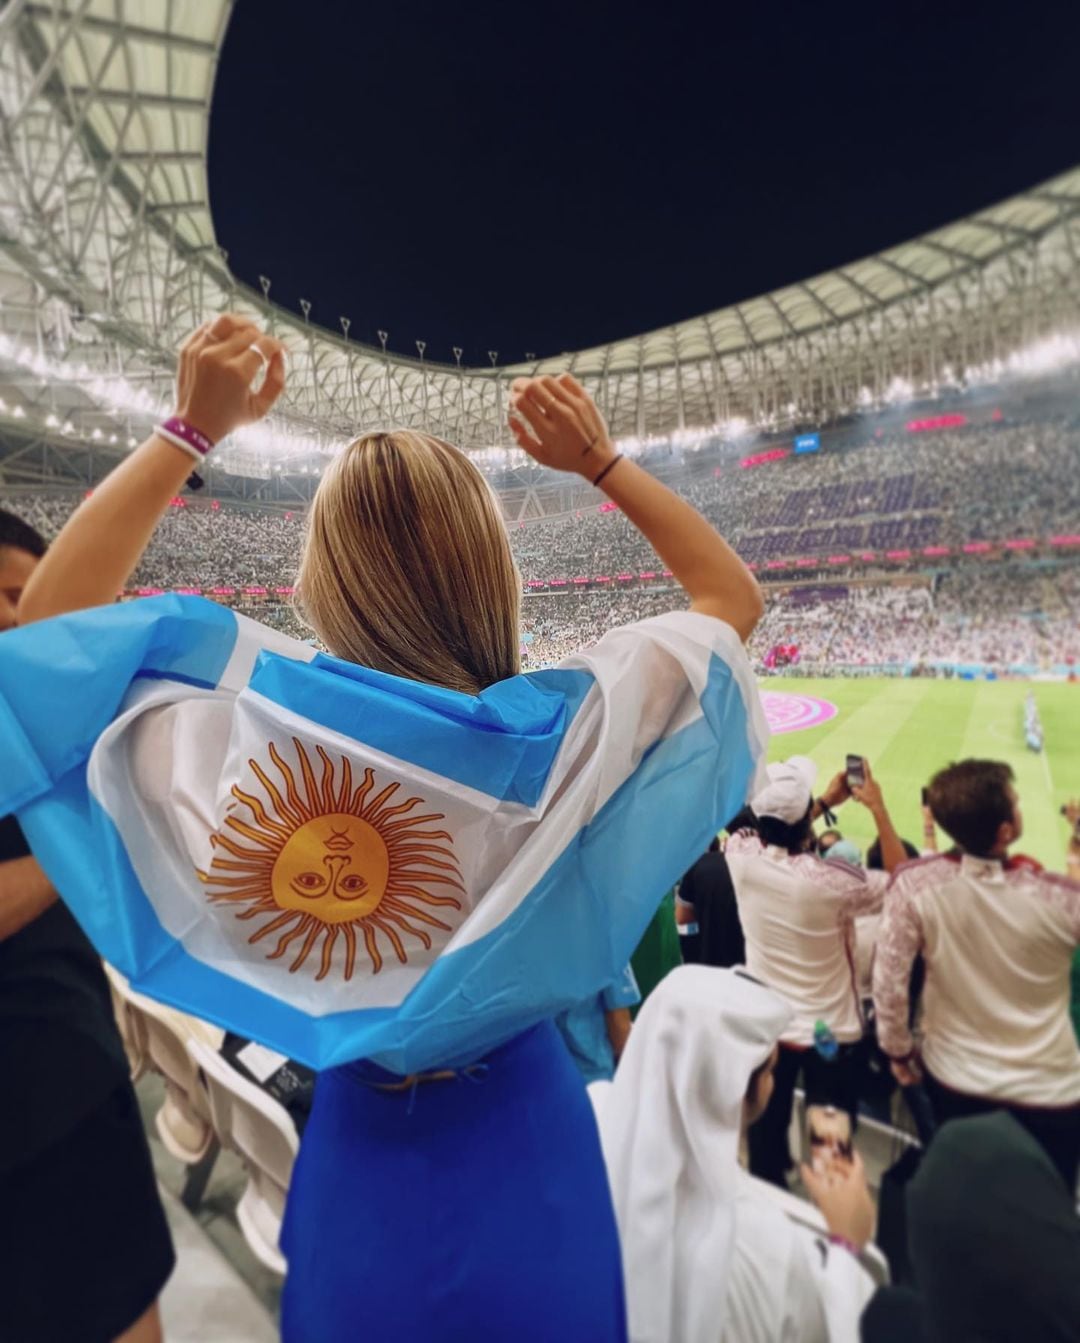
(108, 258)
(901, 274)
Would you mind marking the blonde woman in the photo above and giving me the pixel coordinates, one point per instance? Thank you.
(194, 805)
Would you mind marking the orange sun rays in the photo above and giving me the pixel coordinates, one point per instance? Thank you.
(323, 860)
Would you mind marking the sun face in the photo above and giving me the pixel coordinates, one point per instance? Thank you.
(329, 862)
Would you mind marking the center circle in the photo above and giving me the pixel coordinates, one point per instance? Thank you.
(791, 713)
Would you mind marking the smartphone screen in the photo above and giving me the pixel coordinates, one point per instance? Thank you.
(856, 771)
(829, 1131)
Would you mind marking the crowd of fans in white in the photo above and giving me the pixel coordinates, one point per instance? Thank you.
(998, 482)
(1000, 615)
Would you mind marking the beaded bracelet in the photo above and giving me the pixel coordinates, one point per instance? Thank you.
(184, 435)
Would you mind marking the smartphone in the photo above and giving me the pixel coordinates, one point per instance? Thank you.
(925, 796)
(856, 771)
(829, 1132)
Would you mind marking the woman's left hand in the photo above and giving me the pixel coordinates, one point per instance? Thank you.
(218, 365)
(559, 425)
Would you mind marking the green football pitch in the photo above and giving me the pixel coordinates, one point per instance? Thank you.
(909, 728)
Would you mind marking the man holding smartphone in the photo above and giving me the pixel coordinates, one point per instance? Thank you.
(798, 912)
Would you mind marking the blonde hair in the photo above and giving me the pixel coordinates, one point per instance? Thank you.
(407, 566)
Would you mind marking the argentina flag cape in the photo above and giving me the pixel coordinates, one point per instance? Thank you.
(345, 864)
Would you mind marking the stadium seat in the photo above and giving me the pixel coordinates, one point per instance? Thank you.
(157, 1036)
(183, 1122)
(124, 1010)
(260, 1131)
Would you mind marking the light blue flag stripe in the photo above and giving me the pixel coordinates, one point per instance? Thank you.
(55, 700)
(524, 719)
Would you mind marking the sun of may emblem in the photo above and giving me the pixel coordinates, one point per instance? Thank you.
(327, 861)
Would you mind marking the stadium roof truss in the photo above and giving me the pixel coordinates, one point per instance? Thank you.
(108, 259)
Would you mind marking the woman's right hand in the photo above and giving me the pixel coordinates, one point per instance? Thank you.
(218, 364)
(100, 545)
(841, 1193)
(558, 424)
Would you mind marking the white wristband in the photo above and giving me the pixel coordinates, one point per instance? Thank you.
(178, 442)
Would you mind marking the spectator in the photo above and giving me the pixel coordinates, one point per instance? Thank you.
(998, 937)
(658, 952)
(708, 1253)
(705, 899)
(89, 1249)
(873, 854)
(826, 840)
(844, 851)
(596, 1032)
(797, 912)
(995, 1243)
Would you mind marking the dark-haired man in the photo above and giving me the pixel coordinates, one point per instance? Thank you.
(998, 937)
(88, 1249)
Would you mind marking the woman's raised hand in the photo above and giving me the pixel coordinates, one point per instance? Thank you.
(557, 423)
(218, 365)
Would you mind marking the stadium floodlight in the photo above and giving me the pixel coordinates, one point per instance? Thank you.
(1046, 356)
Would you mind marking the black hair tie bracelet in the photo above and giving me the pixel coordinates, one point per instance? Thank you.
(617, 458)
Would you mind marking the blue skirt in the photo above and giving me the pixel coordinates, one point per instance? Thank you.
(471, 1209)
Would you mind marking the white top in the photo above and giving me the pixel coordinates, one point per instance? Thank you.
(797, 913)
(708, 1256)
(998, 941)
(785, 1284)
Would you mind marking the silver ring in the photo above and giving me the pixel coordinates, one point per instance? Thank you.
(259, 352)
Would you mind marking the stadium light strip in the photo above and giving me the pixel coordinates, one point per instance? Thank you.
(273, 438)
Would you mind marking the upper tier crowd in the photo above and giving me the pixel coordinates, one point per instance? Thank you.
(995, 482)
(1003, 615)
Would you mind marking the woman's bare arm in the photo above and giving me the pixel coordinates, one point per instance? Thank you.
(557, 422)
(103, 540)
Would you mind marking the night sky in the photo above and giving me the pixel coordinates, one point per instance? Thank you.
(533, 179)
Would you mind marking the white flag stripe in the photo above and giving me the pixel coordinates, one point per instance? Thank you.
(166, 772)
